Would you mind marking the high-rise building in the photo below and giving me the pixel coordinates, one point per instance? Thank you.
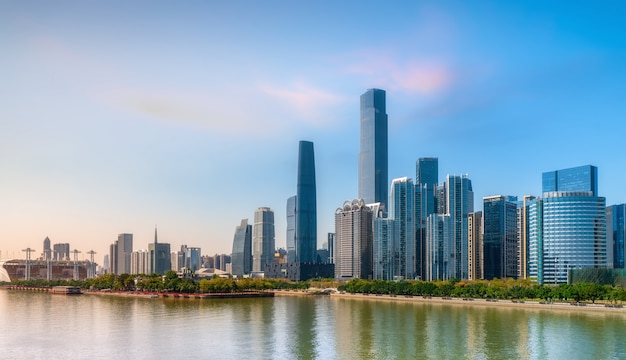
(124, 251)
(263, 239)
(331, 247)
(241, 258)
(500, 242)
(567, 226)
(193, 258)
(475, 268)
(440, 254)
(160, 256)
(459, 202)
(426, 180)
(522, 236)
(354, 241)
(306, 205)
(373, 156)
(615, 235)
(47, 251)
(291, 229)
(61, 251)
(401, 210)
(384, 229)
(140, 262)
(113, 256)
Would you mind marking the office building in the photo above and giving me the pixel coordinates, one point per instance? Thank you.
(291, 229)
(306, 205)
(615, 234)
(522, 237)
(354, 241)
(61, 251)
(47, 250)
(263, 239)
(124, 251)
(401, 210)
(331, 247)
(140, 262)
(373, 156)
(570, 226)
(458, 199)
(384, 229)
(439, 254)
(160, 256)
(500, 242)
(426, 180)
(475, 269)
(241, 258)
(193, 258)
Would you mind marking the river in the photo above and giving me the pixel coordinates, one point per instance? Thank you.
(45, 326)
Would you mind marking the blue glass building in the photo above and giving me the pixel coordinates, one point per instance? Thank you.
(459, 203)
(373, 156)
(439, 255)
(401, 210)
(426, 180)
(616, 233)
(306, 206)
(263, 239)
(567, 227)
(291, 229)
(383, 248)
(500, 241)
(241, 258)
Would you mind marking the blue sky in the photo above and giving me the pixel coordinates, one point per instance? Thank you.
(119, 116)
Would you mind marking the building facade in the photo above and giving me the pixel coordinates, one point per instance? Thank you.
(241, 257)
(426, 180)
(263, 239)
(373, 155)
(354, 241)
(291, 229)
(306, 205)
(402, 211)
(124, 251)
(615, 235)
(475, 268)
(500, 242)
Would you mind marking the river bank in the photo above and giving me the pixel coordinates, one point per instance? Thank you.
(558, 306)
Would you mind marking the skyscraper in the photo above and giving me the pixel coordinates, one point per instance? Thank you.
(354, 241)
(263, 239)
(306, 205)
(500, 242)
(241, 258)
(615, 234)
(570, 222)
(475, 268)
(522, 235)
(160, 256)
(124, 251)
(47, 251)
(459, 202)
(401, 210)
(373, 157)
(291, 229)
(427, 178)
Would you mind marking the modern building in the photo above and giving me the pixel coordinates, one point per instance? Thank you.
(615, 235)
(500, 242)
(373, 156)
(426, 180)
(440, 254)
(458, 198)
(384, 229)
(140, 262)
(331, 247)
(354, 241)
(193, 258)
(61, 251)
(47, 250)
(522, 236)
(160, 256)
(306, 205)
(241, 258)
(570, 222)
(124, 250)
(475, 268)
(291, 229)
(263, 239)
(402, 211)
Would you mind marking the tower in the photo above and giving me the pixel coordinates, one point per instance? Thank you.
(500, 242)
(401, 210)
(241, 258)
(263, 239)
(306, 205)
(373, 156)
(426, 180)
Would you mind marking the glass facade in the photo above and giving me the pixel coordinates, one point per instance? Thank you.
(241, 258)
(306, 205)
(263, 239)
(427, 178)
(401, 210)
(354, 241)
(439, 248)
(459, 202)
(500, 242)
(291, 229)
(373, 156)
(581, 178)
(383, 248)
(616, 233)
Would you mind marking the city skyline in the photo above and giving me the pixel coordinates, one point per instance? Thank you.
(116, 116)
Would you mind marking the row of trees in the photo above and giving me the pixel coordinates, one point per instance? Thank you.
(493, 289)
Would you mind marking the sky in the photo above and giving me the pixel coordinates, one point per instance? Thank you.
(122, 116)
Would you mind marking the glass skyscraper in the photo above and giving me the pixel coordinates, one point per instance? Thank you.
(401, 210)
(459, 202)
(427, 178)
(241, 258)
(567, 227)
(373, 157)
(616, 233)
(383, 248)
(291, 229)
(306, 206)
(263, 239)
(500, 242)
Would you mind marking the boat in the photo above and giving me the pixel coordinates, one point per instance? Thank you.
(66, 290)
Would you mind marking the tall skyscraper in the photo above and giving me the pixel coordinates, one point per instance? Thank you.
(160, 256)
(354, 241)
(459, 202)
(306, 205)
(567, 226)
(500, 242)
(384, 236)
(615, 234)
(47, 251)
(401, 210)
(427, 178)
(263, 239)
(475, 268)
(291, 229)
(522, 235)
(373, 157)
(439, 257)
(241, 258)
(124, 251)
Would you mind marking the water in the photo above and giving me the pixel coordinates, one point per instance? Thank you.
(45, 326)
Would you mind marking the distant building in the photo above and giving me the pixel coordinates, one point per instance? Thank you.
(140, 262)
(124, 251)
(615, 235)
(500, 242)
(354, 241)
(306, 205)
(47, 251)
(522, 236)
(440, 252)
(331, 247)
(263, 239)
(242, 250)
(160, 256)
(61, 252)
(384, 229)
(373, 156)
(401, 210)
(475, 269)
(192, 258)
(426, 180)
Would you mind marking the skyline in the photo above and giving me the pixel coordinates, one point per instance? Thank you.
(116, 117)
